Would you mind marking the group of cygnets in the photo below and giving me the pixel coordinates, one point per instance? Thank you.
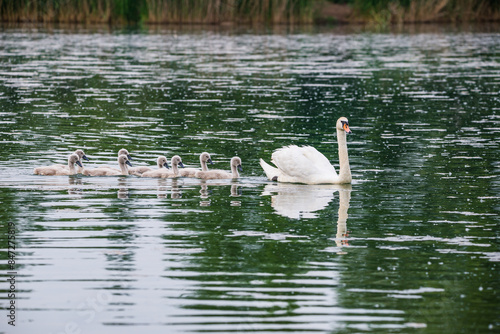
(75, 166)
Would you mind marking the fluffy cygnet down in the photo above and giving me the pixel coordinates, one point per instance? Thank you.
(204, 158)
(106, 171)
(175, 162)
(123, 151)
(160, 162)
(60, 169)
(221, 174)
(81, 156)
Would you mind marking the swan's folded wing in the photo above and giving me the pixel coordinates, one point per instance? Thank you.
(289, 160)
(302, 162)
(320, 163)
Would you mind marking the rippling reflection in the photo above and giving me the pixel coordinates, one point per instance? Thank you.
(75, 186)
(175, 190)
(162, 188)
(299, 201)
(206, 190)
(123, 188)
(341, 238)
(204, 194)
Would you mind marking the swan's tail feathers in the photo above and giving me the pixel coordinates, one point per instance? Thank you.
(271, 172)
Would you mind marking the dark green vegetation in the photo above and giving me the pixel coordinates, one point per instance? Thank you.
(159, 11)
(247, 11)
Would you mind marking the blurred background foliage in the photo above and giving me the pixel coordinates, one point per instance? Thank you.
(248, 11)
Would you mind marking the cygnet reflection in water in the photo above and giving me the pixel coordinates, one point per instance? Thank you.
(123, 188)
(75, 186)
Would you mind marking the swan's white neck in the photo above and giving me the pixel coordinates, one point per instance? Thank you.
(345, 169)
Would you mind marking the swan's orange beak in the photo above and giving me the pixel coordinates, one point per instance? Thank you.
(345, 126)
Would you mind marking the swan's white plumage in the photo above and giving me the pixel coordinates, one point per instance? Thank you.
(307, 165)
(298, 164)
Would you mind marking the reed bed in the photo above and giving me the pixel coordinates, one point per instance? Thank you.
(157, 11)
(247, 11)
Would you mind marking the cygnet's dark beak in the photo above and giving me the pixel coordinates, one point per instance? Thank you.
(128, 163)
(85, 158)
(240, 168)
(129, 157)
(78, 163)
(181, 164)
(210, 160)
(166, 165)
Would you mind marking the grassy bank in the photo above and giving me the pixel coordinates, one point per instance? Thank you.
(247, 11)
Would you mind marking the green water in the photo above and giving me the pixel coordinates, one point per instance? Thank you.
(412, 246)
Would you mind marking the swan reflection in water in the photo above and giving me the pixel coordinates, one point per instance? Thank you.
(299, 201)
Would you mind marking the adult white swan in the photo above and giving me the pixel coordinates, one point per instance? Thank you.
(307, 165)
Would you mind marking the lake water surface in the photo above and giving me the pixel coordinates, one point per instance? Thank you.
(412, 246)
